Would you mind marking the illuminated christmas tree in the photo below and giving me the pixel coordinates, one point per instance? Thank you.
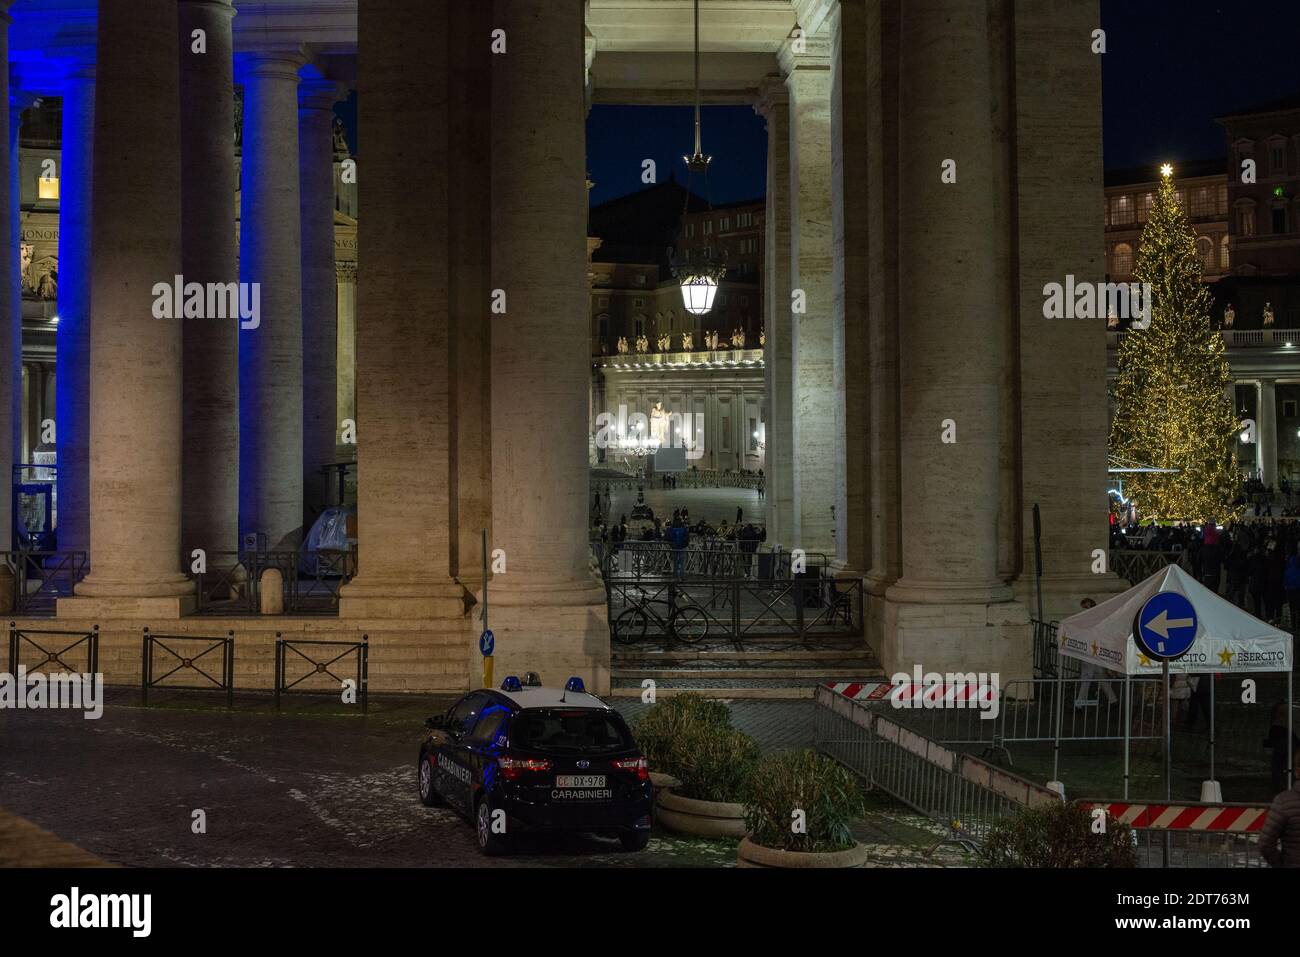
(1172, 406)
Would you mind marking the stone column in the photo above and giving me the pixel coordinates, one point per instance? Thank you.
(270, 352)
(11, 345)
(72, 337)
(209, 254)
(472, 66)
(34, 390)
(403, 409)
(1266, 431)
(950, 607)
(778, 361)
(547, 609)
(818, 448)
(345, 277)
(319, 293)
(135, 358)
(1056, 139)
(881, 107)
(850, 138)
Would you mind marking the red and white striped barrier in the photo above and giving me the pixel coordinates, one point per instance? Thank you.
(1187, 817)
(911, 694)
(861, 690)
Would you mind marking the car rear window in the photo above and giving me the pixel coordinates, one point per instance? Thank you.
(563, 732)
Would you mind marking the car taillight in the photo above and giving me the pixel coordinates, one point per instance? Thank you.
(514, 768)
(636, 765)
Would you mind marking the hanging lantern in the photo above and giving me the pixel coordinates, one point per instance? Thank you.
(699, 286)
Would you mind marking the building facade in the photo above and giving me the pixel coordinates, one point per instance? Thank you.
(1243, 210)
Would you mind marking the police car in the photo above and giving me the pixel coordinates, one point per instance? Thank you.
(527, 757)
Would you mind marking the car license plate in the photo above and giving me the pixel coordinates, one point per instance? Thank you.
(580, 780)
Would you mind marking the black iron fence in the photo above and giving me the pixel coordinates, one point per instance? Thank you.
(1047, 653)
(310, 582)
(42, 578)
(711, 558)
(803, 609)
(298, 672)
(192, 658)
(36, 649)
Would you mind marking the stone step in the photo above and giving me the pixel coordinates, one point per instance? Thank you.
(816, 675)
(722, 694)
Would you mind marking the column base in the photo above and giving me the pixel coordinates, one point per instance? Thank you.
(1063, 593)
(135, 608)
(559, 631)
(363, 598)
(959, 636)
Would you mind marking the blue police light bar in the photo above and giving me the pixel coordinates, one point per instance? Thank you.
(574, 684)
(511, 683)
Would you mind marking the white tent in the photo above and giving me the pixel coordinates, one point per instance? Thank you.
(1228, 640)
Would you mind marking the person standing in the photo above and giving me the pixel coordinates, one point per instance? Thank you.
(1291, 581)
(1279, 841)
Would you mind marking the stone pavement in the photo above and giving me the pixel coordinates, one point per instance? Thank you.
(296, 789)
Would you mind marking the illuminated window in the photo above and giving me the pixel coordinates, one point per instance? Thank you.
(1121, 210)
(1246, 221)
(47, 188)
(1123, 260)
(1205, 250)
(1223, 252)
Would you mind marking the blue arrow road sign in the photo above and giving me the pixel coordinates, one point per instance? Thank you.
(1166, 626)
(485, 642)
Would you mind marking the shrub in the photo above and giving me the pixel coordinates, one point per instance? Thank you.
(691, 738)
(1058, 835)
(716, 764)
(659, 733)
(827, 793)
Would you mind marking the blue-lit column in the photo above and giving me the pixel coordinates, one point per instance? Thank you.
(72, 354)
(135, 358)
(210, 253)
(270, 354)
(319, 292)
(11, 345)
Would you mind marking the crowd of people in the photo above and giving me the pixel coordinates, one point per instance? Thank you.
(1254, 564)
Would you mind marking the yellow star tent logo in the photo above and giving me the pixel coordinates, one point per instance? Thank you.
(1143, 658)
(1094, 649)
(1225, 657)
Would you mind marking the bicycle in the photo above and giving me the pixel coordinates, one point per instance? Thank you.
(687, 622)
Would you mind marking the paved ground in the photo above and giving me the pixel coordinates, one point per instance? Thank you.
(308, 788)
(711, 504)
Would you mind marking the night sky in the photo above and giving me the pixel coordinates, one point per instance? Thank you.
(1170, 67)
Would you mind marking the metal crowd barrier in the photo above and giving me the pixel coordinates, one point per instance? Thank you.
(1135, 565)
(233, 584)
(54, 575)
(963, 794)
(740, 609)
(1191, 834)
(1093, 709)
(715, 558)
(45, 641)
(187, 663)
(321, 666)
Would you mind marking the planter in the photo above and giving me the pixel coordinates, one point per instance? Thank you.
(750, 854)
(699, 818)
(662, 782)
